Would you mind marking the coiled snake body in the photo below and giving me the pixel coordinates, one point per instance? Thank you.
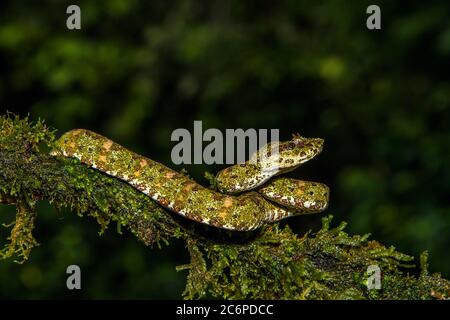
(260, 201)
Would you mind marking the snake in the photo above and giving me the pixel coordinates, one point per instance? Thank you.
(249, 196)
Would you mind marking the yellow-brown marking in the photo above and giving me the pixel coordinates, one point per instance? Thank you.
(107, 145)
(228, 202)
(143, 163)
(189, 187)
(77, 132)
(223, 214)
(170, 174)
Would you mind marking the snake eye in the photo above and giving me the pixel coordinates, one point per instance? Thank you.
(311, 193)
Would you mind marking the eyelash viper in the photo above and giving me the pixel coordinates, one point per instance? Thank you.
(272, 201)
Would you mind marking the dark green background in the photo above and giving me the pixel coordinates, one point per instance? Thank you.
(140, 69)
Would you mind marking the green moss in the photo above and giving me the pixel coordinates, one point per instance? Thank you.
(21, 238)
(280, 265)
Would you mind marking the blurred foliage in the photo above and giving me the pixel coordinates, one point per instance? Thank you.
(139, 69)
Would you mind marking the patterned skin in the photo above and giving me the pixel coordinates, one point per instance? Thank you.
(175, 191)
(304, 196)
(274, 159)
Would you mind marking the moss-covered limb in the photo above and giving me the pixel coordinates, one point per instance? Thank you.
(276, 264)
(328, 265)
(21, 238)
(28, 174)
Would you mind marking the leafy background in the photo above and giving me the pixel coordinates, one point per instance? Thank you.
(140, 69)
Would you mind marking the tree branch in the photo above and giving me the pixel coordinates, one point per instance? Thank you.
(273, 263)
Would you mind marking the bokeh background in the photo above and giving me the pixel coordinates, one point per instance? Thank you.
(137, 70)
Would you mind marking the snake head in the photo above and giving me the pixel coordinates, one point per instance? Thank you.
(271, 160)
(297, 151)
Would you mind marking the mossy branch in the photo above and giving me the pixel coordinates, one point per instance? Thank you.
(274, 263)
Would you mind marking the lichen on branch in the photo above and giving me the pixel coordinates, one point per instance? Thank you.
(272, 263)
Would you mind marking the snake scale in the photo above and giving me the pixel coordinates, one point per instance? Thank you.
(247, 198)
